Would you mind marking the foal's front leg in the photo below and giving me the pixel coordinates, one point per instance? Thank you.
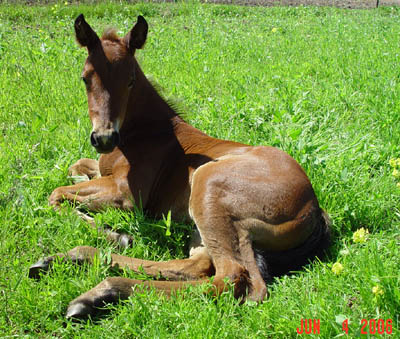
(197, 266)
(85, 167)
(96, 195)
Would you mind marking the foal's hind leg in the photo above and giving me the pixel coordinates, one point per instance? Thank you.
(227, 242)
(196, 268)
(232, 255)
(111, 290)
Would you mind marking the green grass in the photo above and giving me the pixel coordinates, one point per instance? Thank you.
(323, 84)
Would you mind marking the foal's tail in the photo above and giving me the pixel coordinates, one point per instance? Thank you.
(275, 264)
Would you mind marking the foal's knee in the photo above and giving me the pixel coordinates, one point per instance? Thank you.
(81, 254)
(56, 197)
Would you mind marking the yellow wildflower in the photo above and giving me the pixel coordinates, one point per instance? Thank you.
(398, 184)
(337, 268)
(377, 290)
(361, 235)
(396, 173)
(274, 30)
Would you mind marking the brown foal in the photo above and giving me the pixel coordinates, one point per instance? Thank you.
(255, 210)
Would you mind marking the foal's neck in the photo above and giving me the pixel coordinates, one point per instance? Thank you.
(147, 112)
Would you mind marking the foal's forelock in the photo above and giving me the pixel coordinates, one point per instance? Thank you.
(110, 34)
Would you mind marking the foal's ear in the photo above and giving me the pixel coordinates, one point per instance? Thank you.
(136, 38)
(85, 35)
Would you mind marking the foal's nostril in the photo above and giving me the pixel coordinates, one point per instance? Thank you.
(115, 138)
(104, 143)
(94, 140)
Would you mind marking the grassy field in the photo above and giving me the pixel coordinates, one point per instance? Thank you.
(323, 84)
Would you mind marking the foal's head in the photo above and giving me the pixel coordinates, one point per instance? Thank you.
(109, 76)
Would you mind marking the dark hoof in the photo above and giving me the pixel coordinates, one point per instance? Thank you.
(42, 266)
(79, 310)
(125, 241)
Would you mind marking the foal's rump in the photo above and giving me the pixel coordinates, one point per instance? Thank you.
(265, 196)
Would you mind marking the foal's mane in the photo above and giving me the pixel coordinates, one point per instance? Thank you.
(176, 104)
(111, 34)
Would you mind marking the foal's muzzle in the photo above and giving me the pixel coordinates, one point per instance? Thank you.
(104, 143)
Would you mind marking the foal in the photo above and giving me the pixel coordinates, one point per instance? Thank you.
(255, 210)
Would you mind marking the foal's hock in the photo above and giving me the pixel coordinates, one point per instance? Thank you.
(255, 210)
